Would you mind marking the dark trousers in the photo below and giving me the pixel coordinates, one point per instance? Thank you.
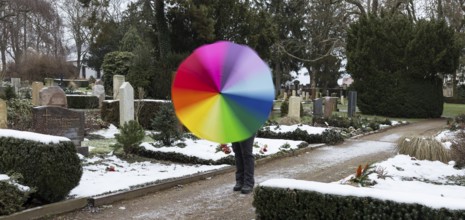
(244, 161)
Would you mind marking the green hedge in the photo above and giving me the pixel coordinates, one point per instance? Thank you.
(110, 112)
(454, 100)
(11, 198)
(82, 101)
(279, 203)
(53, 169)
(181, 158)
(328, 136)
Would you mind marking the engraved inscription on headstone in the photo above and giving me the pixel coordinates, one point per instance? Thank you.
(60, 122)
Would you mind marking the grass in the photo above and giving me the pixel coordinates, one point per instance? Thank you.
(423, 148)
(452, 110)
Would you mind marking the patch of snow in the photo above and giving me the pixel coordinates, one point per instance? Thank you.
(107, 133)
(288, 128)
(44, 138)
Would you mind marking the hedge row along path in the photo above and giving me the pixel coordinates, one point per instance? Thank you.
(214, 198)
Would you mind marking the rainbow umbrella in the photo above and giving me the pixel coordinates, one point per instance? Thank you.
(223, 92)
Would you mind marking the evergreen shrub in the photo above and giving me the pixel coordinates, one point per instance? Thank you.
(181, 158)
(130, 137)
(12, 198)
(458, 150)
(328, 136)
(284, 108)
(167, 126)
(279, 203)
(53, 169)
(19, 114)
(82, 101)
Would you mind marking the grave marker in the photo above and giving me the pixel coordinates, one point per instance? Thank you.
(352, 103)
(36, 87)
(126, 103)
(294, 107)
(53, 96)
(3, 114)
(118, 80)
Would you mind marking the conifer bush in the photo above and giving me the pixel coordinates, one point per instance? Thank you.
(167, 126)
(53, 169)
(12, 198)
(130, 137)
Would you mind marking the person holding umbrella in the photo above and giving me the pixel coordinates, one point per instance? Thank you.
(245, 165)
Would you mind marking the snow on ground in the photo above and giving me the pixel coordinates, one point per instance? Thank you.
(208, 150)
(286, 128)
(44, 138)
(4, 177)
(110, 174)
(403, 185)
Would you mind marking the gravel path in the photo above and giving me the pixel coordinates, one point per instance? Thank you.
(214, 199)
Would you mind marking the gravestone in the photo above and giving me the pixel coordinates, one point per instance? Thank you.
(318, 108)
(352, 103)
(118, 80)
(53, 96)
(306, 96)
(293, 93)
(36, 87)
(126, 103)
(342, 100)
(99, 91)
(16, 84)
(49, 82)
(330, 106)
(285, 96)
(294, 107)
(60, 122)
(3, 114)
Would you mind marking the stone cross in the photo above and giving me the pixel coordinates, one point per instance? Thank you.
(3, 114)
(118, 80)
(36, 87)
(126, 103)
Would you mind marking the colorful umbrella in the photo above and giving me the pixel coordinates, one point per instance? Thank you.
(223, 92)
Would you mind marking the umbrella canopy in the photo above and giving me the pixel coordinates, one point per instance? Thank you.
(223, 92)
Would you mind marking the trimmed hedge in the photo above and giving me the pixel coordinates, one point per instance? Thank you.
(11, 198)
(454, 100)
(82, 101)
(110, 112)
(328, 136)
(279, 203)
(52, 169)
(181, 158)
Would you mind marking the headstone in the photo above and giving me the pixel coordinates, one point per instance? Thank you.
(330, 104)
(60, 122)
(49, 82)
(118, 80)
(36, 87)
(306, 96)
(285, 96)
(294, 107)
(293, 93)
(318, 108)
(53, 96)
(352, 103)
(16, 84)
(126, 103)
(342, 100)
(99, 91)
(3, 114)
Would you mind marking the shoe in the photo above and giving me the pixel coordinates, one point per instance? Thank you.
(237, 187)
(246, 189)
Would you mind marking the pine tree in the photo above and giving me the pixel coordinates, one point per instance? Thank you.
(130, 137)
(167, 125)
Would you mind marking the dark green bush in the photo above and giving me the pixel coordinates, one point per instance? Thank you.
(9, 93)
(19, 114)
(181, 158)
(130, 137)
(328, 136)
(167, 125)
(11, 198)
(147, 111)
(284, 108)
(454, 100)
(279, 203)
(82, 101)
(53, 169)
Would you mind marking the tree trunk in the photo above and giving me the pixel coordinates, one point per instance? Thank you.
(277, 83)
(454, 84)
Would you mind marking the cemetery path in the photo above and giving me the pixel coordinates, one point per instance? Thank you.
(214, 199)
